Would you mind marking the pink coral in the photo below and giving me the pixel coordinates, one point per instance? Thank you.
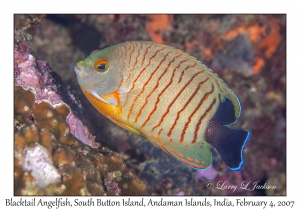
(37, 76)
(39, 163)
(210, 173)
(81, 131)
(28, 74)
(111, 184)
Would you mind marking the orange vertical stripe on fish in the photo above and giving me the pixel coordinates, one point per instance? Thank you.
(167, 96)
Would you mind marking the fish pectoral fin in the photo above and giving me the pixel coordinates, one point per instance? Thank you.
(113, 98)
(127, 127)
(96, 95)
(230, 143)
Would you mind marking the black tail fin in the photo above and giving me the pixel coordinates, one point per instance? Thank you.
(230, 143)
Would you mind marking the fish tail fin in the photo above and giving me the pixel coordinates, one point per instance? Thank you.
(230, 143)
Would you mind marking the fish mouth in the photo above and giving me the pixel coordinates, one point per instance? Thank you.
(77, 70)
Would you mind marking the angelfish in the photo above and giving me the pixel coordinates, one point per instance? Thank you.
(167, 96)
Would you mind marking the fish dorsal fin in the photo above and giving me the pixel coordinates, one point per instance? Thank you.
(225, 113)
(229, 108)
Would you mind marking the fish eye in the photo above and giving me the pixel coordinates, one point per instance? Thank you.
(101, 65)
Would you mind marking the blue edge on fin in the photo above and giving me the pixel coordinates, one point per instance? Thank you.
(242, 150)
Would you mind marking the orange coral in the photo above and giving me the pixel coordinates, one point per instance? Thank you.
(254, 31)
(157, 24)
(271, 42)
(214, 26)
(234, 32)
(207, 53)
(268, 43)
(259, 63)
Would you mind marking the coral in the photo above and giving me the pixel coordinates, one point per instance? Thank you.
(37, 76)
(26, 21)
(130, 184)
(110, 183)
(259, 63)
(37, 161)
(254, 31)
(209, 174)
(280, 182)
(262, 40)
(157, 24)
(23, 22)
(49, 160)
(271, 41)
